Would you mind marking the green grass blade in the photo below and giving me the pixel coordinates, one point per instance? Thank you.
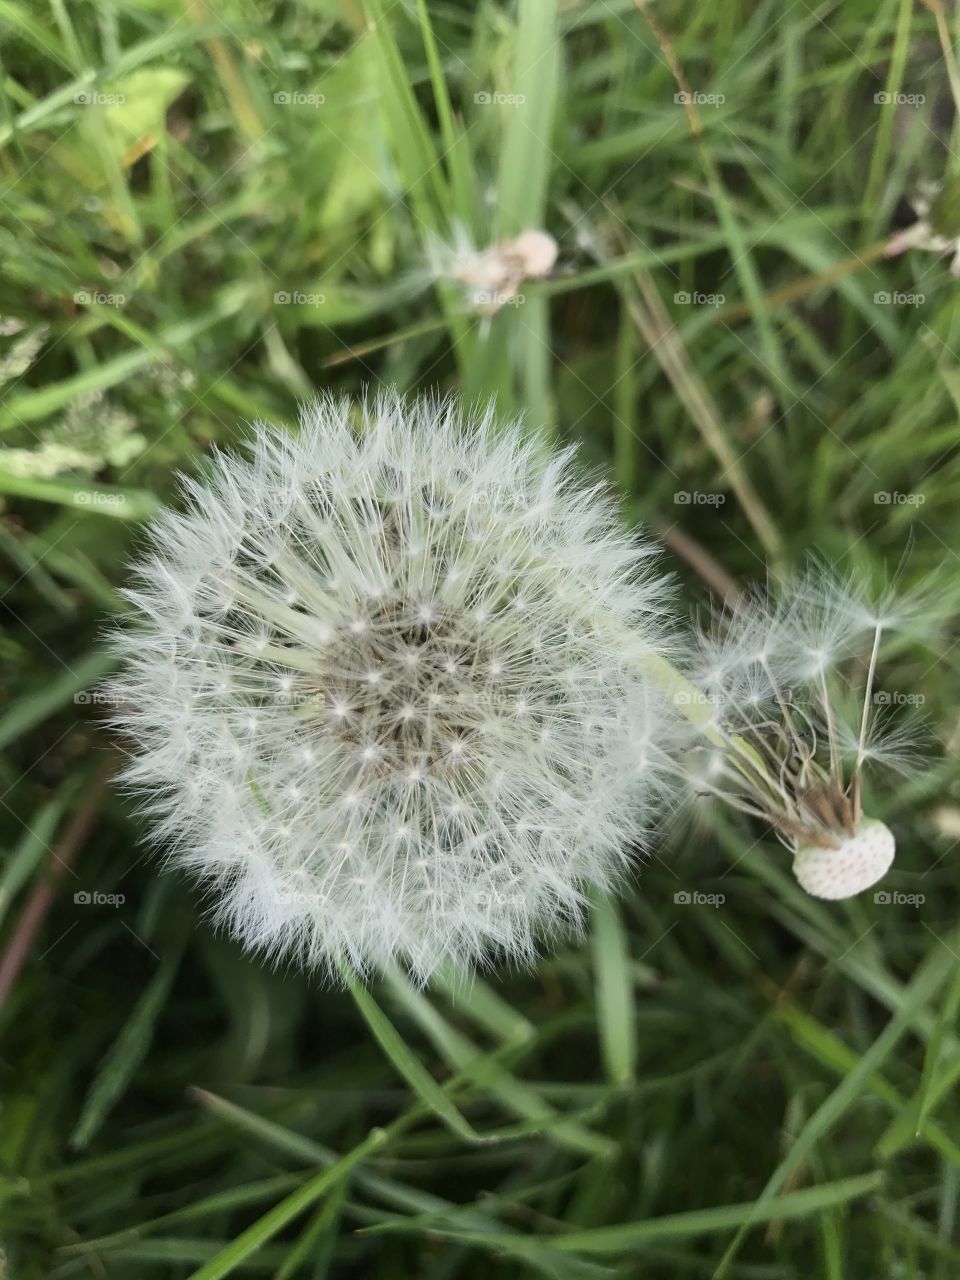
(255, 1236)
(409, 1066)
(935, 971)
(616, 1015)
(80, 677)
(126, 1055)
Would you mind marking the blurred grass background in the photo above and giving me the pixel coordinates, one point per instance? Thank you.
(206, 211)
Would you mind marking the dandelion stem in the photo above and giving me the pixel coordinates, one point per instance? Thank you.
(729, 798)
(867, 695)
(781, 703)
(683, 694)
(690, 702)
(828, 719)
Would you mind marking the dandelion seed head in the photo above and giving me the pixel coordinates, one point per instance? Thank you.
(366, 756)
(792, 675)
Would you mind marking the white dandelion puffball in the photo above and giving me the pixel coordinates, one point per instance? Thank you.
(386, 693)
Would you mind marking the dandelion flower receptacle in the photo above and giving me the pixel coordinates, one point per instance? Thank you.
(387, 693)
(857, 863)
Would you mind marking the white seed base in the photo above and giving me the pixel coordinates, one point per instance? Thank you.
(860, 862)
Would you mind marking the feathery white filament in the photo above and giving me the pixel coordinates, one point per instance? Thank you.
(790, 678)
(386, 697)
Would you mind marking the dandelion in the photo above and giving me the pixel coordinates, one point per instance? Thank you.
(387, 694)
(937, 228)
(791, 719)
(492, 277)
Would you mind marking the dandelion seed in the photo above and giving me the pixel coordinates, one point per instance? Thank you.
(408, 843)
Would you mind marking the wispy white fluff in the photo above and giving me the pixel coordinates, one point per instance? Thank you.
(795, 718)
(386, 694)
(493, 276)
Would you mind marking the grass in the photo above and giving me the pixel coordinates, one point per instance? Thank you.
(207, 210)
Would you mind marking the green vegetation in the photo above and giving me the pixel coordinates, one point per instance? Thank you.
(205, 212)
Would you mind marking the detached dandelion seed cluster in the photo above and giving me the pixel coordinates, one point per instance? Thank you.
(792, 717)
(387, 688)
